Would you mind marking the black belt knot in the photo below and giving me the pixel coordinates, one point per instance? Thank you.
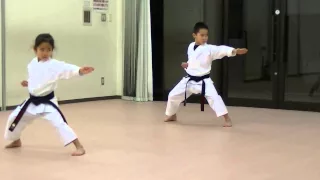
(203, 88)
(36, 100)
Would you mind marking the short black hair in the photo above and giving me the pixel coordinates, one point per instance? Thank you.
(198, 26)
(44, 38)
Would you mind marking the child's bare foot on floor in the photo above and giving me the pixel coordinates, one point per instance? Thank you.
(171, 118)
(14, 144)
(79, 152)
(227, 123)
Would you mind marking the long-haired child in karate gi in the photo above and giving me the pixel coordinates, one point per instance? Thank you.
(43, 74)
(198, 67)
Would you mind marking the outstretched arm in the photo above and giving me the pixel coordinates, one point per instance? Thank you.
(65, 71)
(219, 52)
(69, 70)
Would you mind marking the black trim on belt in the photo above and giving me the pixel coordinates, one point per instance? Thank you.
(36, 100)
(203, 90)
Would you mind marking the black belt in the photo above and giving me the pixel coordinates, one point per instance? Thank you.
(203, 90)
(36, 101)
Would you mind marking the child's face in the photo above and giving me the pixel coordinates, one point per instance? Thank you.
(201, 37)
(44, 51)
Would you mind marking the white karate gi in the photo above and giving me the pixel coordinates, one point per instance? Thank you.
(199, 64)
(43, 77)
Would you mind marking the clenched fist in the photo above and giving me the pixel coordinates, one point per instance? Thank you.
(184, 65)
(86, 70)
(24, 83)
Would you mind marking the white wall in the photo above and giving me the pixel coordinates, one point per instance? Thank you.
(99, 45)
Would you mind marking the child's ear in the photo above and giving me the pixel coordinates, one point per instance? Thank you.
(194, 35)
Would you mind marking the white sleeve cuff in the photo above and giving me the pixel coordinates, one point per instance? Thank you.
(77, 72)
(232, 53)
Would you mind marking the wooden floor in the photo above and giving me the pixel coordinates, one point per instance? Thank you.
(129, 141)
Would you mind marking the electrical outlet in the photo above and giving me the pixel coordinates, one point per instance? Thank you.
(102, 81)
(103, 17)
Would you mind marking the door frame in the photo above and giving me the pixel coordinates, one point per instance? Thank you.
(278, 56)
(275, 59)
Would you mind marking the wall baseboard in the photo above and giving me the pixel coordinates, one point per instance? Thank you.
(79, 100)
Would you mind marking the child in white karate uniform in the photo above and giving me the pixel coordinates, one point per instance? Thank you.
(198, 67)
(44, 72)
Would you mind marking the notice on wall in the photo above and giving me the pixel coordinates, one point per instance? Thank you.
(100, 5)
(86, 3)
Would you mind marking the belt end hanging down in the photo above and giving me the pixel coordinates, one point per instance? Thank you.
(202, 103)
(12, 127)
(185, 99)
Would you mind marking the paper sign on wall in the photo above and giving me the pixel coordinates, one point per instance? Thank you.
(100, 5)
(86, 3)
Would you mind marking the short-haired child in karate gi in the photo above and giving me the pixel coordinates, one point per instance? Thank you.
(198, 81)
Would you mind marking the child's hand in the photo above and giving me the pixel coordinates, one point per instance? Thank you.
(86, 70)
(241, 51)
(24, 83)
(184, 65)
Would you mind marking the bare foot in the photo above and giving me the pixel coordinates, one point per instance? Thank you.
(171, 118)
(14, 144)
(79, 152)
(228, 123)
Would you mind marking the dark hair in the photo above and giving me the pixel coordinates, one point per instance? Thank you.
(44, 38)
(198, 26)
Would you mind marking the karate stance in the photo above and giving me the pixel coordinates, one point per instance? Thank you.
(43, 74)
(198, 67)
